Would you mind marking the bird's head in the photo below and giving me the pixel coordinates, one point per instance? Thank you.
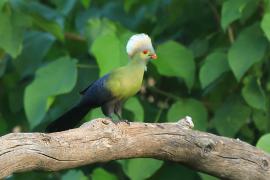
(140, 46)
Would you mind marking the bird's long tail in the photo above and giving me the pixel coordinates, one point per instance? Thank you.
(68, 120)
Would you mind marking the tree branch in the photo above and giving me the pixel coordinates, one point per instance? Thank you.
(101, 140)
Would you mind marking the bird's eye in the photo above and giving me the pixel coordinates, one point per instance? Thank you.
(145, 52)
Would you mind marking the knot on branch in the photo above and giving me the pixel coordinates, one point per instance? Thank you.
(265, 164)
(186, 122)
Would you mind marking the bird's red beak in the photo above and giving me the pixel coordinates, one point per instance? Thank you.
(153, 56)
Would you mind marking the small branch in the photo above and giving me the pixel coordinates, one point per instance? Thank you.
(215, 13)
(75, 37)
(166, 94)
(231, 34)
(100, 140)
(87, 66)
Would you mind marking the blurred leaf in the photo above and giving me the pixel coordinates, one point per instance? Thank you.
(13, 25)
(207, 177)
(261, 120)
(101, 174)
(2, 3)
(129, 3)
(55, 78)
(3, 63)
(265, 25)
(15, 99)
(38, 43)
(248, 49)
(45, 18)
(199, 47)
(86, 3)
(214, 66)
(94, 114)
(140, 168)
(266, 4)
(175, 171)
(49, 26)
(264, 143)
(192, 108)
(253, 93)
(74, 174)
(231, 116)
(98, 27)
(249, 10)
(134, 105)
(65, 6)
(176, 60)
(107, 49)
(3, 125)
(107, 45)
(231, 11)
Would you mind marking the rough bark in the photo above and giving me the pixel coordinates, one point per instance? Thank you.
(101, 140)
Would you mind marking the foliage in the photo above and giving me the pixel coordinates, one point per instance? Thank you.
(213, 65)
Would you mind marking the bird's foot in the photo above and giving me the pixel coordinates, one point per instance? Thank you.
(119, 121)
(124, 120)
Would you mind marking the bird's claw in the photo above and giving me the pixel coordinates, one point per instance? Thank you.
(126, 121)
(119, 121)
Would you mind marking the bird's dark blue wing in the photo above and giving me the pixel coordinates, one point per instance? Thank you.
(97, 93)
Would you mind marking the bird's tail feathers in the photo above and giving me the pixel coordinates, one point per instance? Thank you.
(68, 120)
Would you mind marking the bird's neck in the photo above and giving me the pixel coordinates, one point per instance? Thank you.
(137, 62)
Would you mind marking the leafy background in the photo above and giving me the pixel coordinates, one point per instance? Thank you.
(213, 65)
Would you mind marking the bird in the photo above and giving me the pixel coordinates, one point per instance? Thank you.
(113, 89)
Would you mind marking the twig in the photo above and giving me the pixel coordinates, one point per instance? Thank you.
(73, 36)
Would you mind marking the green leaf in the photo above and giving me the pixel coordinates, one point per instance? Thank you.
(261, 120)
(38, 43)
(101, 174)
(65, 6)
(199, 47)
(96, 27)
(74, 174)
(231, 11)
(231, 116)
(86, 3)
(214, 66)
(266, 5)
(134, 105)
(176, 60)
(175, 171)
(207, 177)
(3, 125)
(108, 42)
(265, 25)
(140, 168)
(253, 93)
(129, 3)
(107, 49)
(3, 64)
(13, 25)
(49, 26)
(264, 143)
(55, 78)
(248, 49)
(250, 8)
(189, 107)
(2, 4)
(94, 114)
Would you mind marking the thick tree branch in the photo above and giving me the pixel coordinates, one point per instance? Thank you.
(100, 141)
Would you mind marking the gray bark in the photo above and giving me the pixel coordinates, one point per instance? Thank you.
(101, 141)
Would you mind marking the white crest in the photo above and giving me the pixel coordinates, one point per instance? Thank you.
(139, 42)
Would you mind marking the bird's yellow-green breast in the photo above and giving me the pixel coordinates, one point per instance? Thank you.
(126, 81)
